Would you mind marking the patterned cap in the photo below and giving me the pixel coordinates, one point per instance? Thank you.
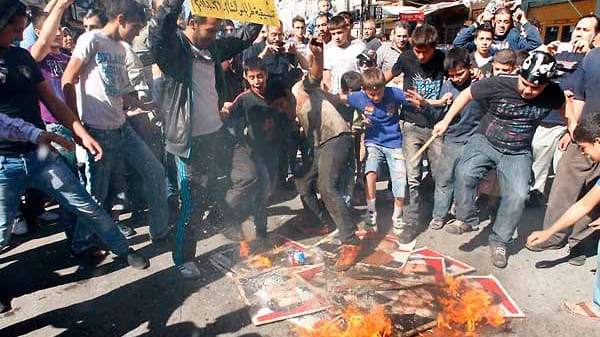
(538, 68)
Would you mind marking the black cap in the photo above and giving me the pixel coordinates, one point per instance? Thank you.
(538, 68)
(8, 9)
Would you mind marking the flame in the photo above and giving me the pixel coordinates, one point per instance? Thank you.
(353, 323)
(259, 261)
(348, 255)
(244, 249)
(466, 308)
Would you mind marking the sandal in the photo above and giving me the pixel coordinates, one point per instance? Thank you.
(583, 309)
(458, 227)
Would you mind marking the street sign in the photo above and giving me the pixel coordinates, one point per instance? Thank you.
(412, 17)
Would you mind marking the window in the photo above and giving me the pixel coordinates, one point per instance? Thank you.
(565, 35)
(551, 34)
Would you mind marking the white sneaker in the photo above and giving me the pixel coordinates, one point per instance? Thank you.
(48, 216)
(398, 222)
(370, 218)
(20, 227)
(189, 270)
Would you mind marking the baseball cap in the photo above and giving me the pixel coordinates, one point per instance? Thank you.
(538, 68)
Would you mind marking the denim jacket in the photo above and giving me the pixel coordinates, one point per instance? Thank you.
(533, 40)
(172, 52)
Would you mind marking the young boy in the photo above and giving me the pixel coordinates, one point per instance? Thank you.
(324, 9)
(504, 62)
(458, 67)
(380, 105)
(258, 125)
(587, 137)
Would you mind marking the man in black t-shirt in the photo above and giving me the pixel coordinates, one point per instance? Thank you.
(423, 73)
(514, 105)
(22, 86)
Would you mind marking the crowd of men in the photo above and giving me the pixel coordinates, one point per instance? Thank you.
(197, 120)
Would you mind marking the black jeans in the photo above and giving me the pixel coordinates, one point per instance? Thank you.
(220, 171)
(329, 170)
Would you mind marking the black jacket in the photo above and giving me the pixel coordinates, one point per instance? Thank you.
(172, 52)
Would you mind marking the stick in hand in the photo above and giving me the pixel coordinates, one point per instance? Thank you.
(423, 148)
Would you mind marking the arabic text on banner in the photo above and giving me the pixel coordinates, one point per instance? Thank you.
(256, 11)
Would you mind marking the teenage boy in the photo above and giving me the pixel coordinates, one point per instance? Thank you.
(258, 125)
(457, 65)
(98, 61)
(193, 93)
(423, 72)
(514, 106)
(587, 137)
(340, 54)
(21, 87)
(379, 106)
(481, 56)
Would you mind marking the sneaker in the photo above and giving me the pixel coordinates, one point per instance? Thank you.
(398, 222)
(20, 227)
(135, 260)
(436, 224)
(370, 218)
(405, 234)
(48, 216)
(126, 230)
(189, 270)
(459, 227)
(498, 256)
(577, 256)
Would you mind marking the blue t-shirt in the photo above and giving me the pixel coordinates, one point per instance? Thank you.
(384, 129)
(464, 126)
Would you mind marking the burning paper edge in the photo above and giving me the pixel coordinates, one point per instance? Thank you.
(504, 310)
(465, 268)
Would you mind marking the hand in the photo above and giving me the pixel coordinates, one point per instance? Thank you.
(365, 121)
(291, 48)
(226, 110)
(447, 98)
(315, 46)
(538, 237)
(563, 142)
(476, 74)
(580, 46)
(92, 146)
(269, 49)
(415, 99)
(552, 47)
(439, 128)
(47, 138)
(519, 15)
(137, 111)
(64, 3)
(595, 225)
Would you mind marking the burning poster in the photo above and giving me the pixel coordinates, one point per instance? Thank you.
(276, 295)
(453, 267)
(248, 258)
(500, 296)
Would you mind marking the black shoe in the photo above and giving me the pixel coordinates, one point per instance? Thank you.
(405, 233)
(545, 246)
(577, 256)
(126, 230)
(135, 260)
(498, 256)
(535, 199)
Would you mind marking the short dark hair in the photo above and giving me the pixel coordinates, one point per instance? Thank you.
(588, 128)
(298, 18)
(130, 9)
(484, 27)
(424, 35)
(254, 63)
(597, 26)
(99, 13)
(373, 78)
(504, 10)
(457, 57)
(15, 9)
(520, 56)
(351, 81)
(346, 15)
(227, 23)
(505, 56)
(401, 24)
(337, 22)
(322, 15)
(276, 88)
(38, 18)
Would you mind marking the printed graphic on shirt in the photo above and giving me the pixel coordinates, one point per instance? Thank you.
(56, 67)
(114, 73)
(369, 109)
(427, 87)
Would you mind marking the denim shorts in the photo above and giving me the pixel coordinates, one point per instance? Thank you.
(377, 155)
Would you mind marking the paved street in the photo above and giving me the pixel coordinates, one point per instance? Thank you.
(55, 297)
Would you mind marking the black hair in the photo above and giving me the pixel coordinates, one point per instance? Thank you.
(337, 22)
(424, 35)
(484, 27)
(130, 9)
(505, 56)
(351, 81)
(520, 56)
(588, 127)
(298, 18)
(227, 23)
(254, 63)
(10, 12)
(99, 13)
(457, 57)
(401, 24)
(37, 18)
(276, 88)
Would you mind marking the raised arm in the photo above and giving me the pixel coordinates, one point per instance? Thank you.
(47, 34)
(163, 39)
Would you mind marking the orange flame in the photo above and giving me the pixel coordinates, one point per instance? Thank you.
(260, 261)
(353, 323)
(244, 249)
(466, 308)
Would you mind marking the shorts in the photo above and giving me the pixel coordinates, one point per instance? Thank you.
(377, 155)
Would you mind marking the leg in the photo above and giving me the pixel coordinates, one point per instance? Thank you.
(335, 154)
(306, 185)
(146, 165)
(397, 168)
(375, 157)
(262, 197)
(12, 186)
(413, 139)
(444, 182)
(544, 145)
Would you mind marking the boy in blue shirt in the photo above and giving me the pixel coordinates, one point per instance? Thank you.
(379, 106)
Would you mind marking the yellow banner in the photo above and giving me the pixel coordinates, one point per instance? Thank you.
(255, 11)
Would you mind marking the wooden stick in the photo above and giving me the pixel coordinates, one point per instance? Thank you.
(423, 148)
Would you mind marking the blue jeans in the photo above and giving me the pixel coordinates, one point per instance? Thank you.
(51, 176)
(444, 182)
(514, 171)
(124, 144)
(377, 155)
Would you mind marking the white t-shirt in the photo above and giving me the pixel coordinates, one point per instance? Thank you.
(103, 80)
(339, 61)
(205, 115)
